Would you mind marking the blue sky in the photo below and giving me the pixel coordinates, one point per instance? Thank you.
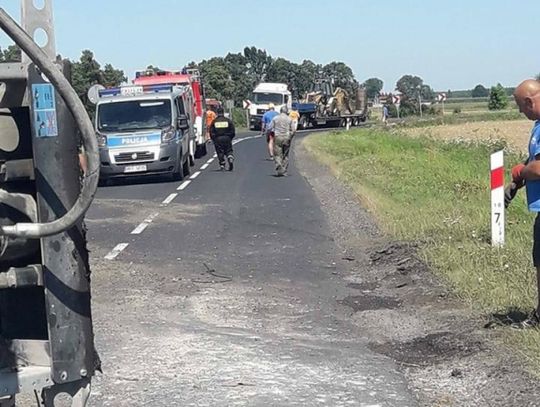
(451, 45)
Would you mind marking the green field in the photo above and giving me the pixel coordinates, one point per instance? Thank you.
(437, 194)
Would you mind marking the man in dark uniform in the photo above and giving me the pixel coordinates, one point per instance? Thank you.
(222, 132)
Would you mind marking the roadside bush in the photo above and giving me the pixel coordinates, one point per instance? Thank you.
(239, 117)
(457, 110)
(498, 99)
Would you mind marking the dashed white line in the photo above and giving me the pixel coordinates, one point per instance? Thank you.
(142, 226)
(170, 198)
(151, 217)
(139, 229)
(183, 185)
(116, 251)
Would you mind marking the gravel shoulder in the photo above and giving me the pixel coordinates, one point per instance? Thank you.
(442, 347)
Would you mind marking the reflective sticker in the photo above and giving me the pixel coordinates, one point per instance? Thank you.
(221, 125)
(44, 104)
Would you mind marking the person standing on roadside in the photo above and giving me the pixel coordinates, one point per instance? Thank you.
(282, 126)
(385, 114)
(222, 132)
(265, 128)
(527, 96)
(295, 116)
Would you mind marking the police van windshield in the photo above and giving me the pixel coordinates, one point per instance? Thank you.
(134, 115)
(261, 98)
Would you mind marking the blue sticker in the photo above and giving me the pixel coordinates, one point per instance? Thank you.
(43, 100)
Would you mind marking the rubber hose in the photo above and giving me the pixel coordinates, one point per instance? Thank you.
(75, 106)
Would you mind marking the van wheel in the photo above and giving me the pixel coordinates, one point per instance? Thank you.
(177, 174)
(185, 168)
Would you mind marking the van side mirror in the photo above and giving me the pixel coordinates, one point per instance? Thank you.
(182, 122)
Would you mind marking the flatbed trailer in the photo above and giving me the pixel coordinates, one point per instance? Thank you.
(310, 116)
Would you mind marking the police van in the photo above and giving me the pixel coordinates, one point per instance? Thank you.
(144, 130)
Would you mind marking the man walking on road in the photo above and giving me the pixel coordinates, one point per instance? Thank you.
(282, 126)
(527, 96)
(222, 132)
(265, 128)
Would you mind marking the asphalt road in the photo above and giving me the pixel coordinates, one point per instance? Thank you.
(226, 294)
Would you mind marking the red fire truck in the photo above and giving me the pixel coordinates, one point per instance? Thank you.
(189, 77)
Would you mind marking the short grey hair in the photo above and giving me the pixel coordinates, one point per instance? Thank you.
(284, 109)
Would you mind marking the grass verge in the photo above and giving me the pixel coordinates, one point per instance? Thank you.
(437, 193)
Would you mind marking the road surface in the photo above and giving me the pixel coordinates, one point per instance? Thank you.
(224, 290)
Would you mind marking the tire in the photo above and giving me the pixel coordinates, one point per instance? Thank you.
(191, 160)
(177, 174)
(303, 123)
(185, 168)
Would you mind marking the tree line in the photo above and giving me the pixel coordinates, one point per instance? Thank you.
(233, 77)
(85, 72)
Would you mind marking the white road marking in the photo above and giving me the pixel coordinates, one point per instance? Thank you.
(151, 217)
(170, 198)
(116, 251)
(183, 185)
(143, 225)
(139, 229)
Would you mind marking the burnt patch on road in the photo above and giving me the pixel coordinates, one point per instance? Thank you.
(369, 302)
(366, 286)
(402, 256)
(430, 349)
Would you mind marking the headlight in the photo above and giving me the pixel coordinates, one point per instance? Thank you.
(167, 134)
(101, 140)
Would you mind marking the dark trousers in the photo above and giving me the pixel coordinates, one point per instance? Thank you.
(223, 145)
(281, 154)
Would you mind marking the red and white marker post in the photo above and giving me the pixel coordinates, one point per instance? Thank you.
(497, 199)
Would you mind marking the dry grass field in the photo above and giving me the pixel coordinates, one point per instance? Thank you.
(515, 132)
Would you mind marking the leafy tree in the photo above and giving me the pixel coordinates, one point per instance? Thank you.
(218, 81)
(285, 71)
(111, 76)
(11, 54)
(87, 72)
(373, 87)
(309, 71)
(537, 77)
(480, 91)
(153, 68)
(498, 98)
(413, 91)
(342, 76)
(84, 74)
(236, 65)
(257, 62)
